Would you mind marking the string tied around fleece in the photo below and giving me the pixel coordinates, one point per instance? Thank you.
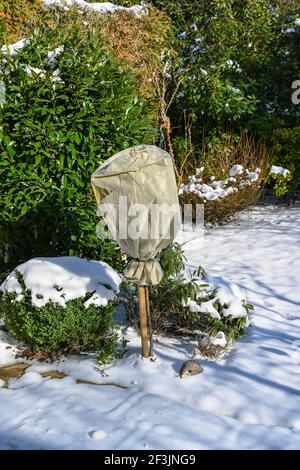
(141, 272)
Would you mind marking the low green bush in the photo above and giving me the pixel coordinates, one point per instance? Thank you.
(286, 144)
(55, 329)
(280, 183)
(171, 302)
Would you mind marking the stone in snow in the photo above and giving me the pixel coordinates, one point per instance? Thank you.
(190, 368)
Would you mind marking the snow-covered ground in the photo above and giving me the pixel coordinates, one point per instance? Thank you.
(249, 399)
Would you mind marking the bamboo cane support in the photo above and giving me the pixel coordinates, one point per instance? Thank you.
(143, 293)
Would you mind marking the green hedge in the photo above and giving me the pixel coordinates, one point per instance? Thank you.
(54, 132)
(237, 62)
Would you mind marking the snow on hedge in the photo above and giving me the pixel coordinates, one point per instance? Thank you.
(64, 278)
(13, 49)
(97, 7)
(278, 170)
(53, 56)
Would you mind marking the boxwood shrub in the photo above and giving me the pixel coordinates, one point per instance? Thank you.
(55, 329)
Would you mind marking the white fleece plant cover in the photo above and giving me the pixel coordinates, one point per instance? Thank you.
(137, 197)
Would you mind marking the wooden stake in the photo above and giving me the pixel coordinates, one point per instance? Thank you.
(149, 323)
(143, 293)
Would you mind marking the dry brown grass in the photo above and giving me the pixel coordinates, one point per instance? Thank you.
(139, 42)
(224, 153)
(15, 13)
(223, 210)
(217, 162)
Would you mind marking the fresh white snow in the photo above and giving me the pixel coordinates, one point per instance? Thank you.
(248, 399)
(278, 170)
(289, 30)
(65, 278)
(236, 170)
(219, 189)
(219, 339)
(231, 300)
(13, 49)
(32, 71)
(53, 55)
(96, 7)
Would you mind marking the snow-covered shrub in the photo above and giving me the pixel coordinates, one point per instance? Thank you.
(60, 305)
(69, 106)
(280, 179)
(197, 303)
(229, 178)
(285, 140)
(191, 305)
